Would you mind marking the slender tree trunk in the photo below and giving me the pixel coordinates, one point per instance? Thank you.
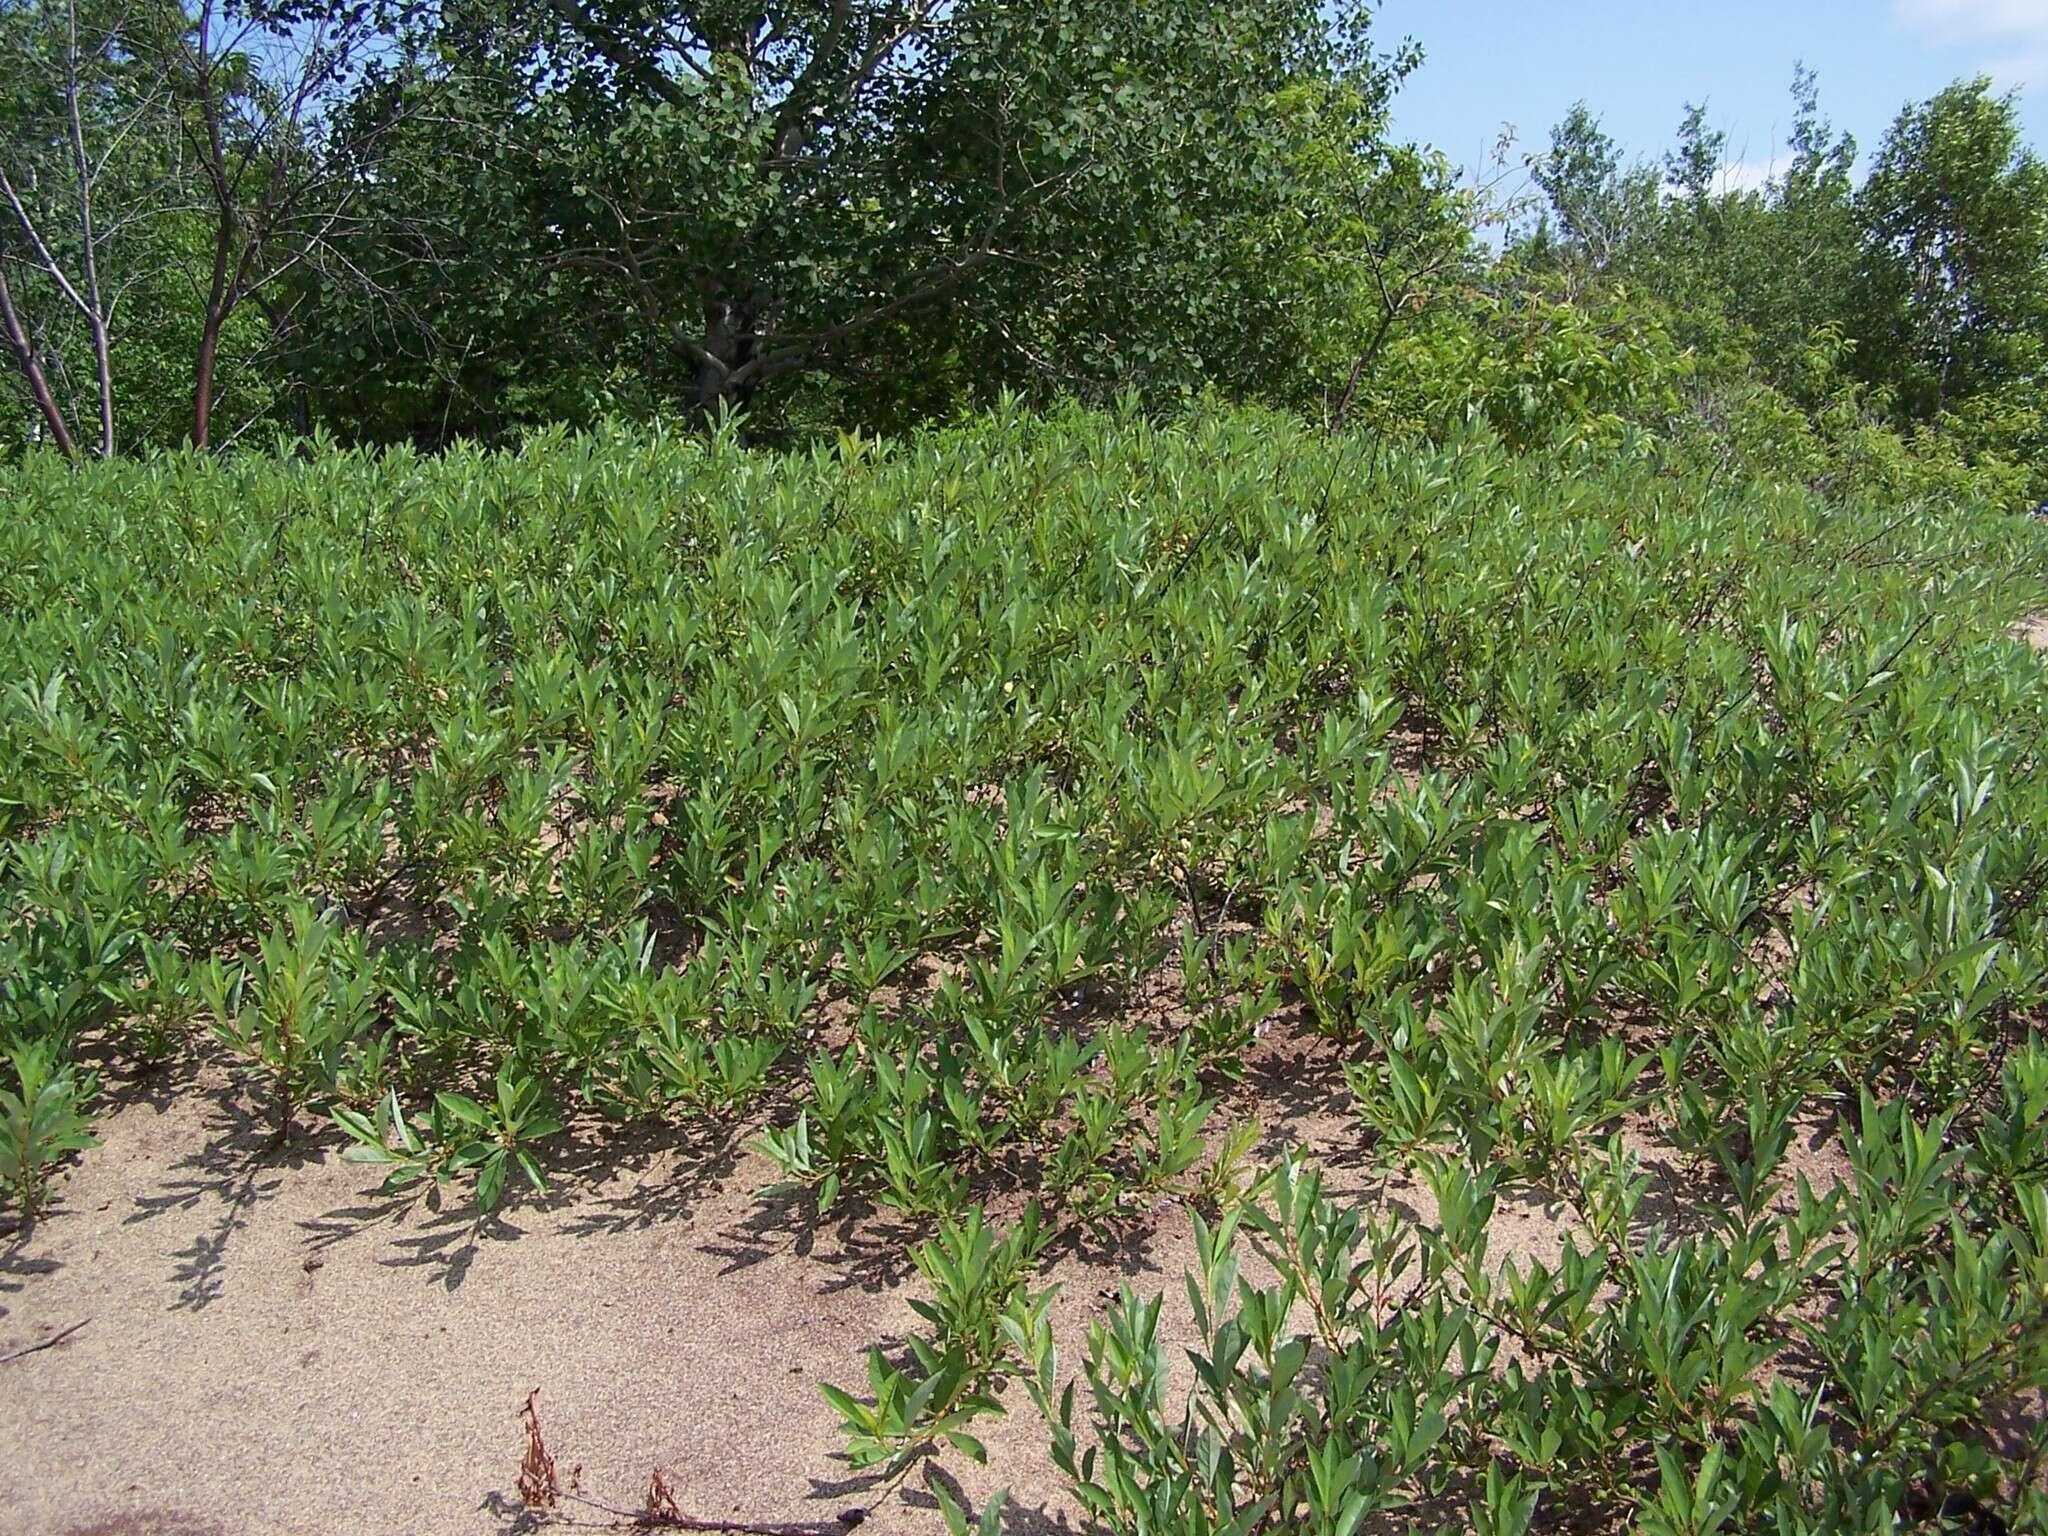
(202, 378)
(32, 368)
(103, 367)
(209, 335)
(95, 313)
(1388, 313)
(226, 232)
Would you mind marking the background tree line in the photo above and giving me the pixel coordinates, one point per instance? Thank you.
(1916, 300)
(418, 220)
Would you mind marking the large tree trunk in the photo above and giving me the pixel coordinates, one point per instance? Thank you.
(730, 344)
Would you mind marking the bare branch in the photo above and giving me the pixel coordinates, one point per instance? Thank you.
(95, 315)
(613, 47)
(26, 358)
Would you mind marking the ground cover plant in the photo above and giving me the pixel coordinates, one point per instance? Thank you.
(957, 816)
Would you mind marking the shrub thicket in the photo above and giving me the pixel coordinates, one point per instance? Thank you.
(965, 808)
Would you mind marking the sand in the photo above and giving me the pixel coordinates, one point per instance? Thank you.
(270, 1348)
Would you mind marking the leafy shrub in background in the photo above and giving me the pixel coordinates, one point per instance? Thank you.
(1608, 371)
(1540, 368)
(1887, 336)
(1840, 437)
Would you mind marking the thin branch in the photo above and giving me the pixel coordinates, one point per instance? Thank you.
(96, 316)
(24, 351)
(45, 259)
(54, 1339)
(608, 43)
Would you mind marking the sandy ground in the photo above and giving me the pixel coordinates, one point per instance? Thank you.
(2034, 631)
(269, 1349)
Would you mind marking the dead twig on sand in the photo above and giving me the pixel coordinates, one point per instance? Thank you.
(671, 1518)
(541, 1490)
(56, 1338)
(538, 1486)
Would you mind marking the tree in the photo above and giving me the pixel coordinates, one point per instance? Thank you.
(81, 174)
(1602, 210)
(1695, 165)
(1682, 250)
(1759, 270)
(1794, 275)
(1407, 239)
(257, 93)
(915, 198)
(1954, 275)
(164, 172)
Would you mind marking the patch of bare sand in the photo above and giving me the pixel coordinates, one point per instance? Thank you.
(2034, 631)
(272, 1350)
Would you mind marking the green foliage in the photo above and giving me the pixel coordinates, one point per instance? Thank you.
(298, 1010)
(1603, 210)
(461, 1136)
(42, 1121)
(464, 224)
(1538, 368)
(1828, 430)
(873, 213)
(1651, 1382)
(980, 1307)
(1954, 288)
(1888, 338)
(955, 813)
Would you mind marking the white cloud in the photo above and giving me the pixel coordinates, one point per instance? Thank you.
(2017, 31)
(1961, 19)
(1744, 176)
(2021, 68)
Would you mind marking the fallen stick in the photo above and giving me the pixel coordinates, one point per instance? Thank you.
(56, 1338)
(541, 1494)
(672, 1519)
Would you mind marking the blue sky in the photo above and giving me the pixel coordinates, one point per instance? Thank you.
(1490, 62)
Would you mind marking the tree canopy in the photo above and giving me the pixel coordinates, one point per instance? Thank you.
(404, 221)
